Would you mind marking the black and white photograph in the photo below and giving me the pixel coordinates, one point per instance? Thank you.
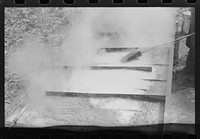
(99, 66)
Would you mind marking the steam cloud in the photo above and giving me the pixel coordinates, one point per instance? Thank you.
(43, 69)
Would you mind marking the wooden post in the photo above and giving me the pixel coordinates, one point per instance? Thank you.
(169, 81)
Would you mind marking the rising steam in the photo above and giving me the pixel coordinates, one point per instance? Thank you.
(43, 69)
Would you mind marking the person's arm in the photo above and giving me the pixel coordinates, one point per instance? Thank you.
(186, 22)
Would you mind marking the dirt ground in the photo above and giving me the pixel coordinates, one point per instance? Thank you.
(181, 108)
(181, 105)
(91, 111)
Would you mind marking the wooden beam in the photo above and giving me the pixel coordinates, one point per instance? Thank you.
(134, 55)
(113, 67)
(158, 56)
(17, 117)
(11, 108)
(169, 80)
(141, 68)
(153, 98)
(155, 80)
(118, 49)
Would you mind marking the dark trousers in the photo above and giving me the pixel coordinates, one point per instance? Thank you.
(190, 62)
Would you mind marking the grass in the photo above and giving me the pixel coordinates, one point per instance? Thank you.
(21, 23)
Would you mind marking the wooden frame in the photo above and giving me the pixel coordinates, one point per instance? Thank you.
(20, 100)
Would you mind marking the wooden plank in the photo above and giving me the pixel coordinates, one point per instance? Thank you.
(19, 124)
(169, 80)
(111, 81)
(117, 49)
(158, 72)
(161, 113)
(128, 67)
(15, 103)
(131, 56)
(164, 72)
(147, 68)
(170, 71)
(161, 71)
(155, 56)
(153, 98)
(158, 88)
(18, 115)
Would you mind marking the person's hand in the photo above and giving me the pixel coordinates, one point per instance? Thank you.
(186, 22)
(186, 27)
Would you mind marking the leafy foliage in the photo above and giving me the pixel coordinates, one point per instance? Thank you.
(22, 23)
